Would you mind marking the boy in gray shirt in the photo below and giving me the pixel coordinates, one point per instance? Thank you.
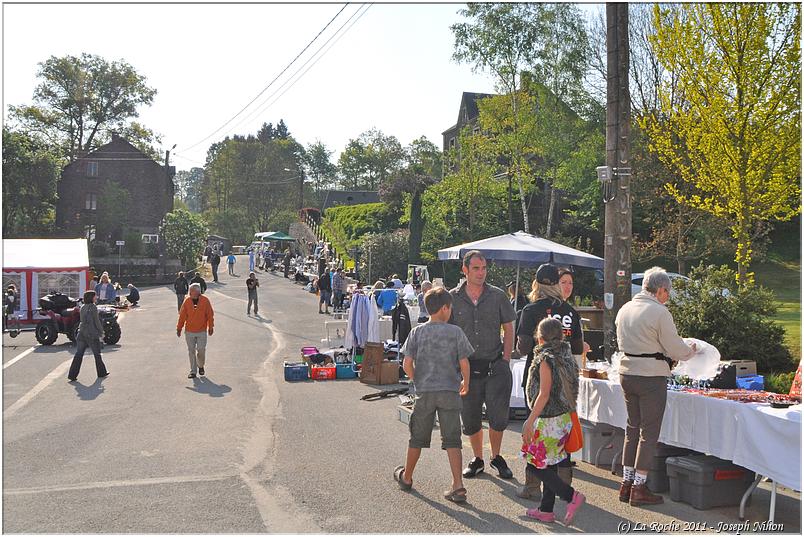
(437, 362)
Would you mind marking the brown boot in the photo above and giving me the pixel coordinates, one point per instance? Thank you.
(640, 495)
(532, 489)
(625, 491)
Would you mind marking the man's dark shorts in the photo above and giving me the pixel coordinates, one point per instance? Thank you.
(495, 391)
(448, 406)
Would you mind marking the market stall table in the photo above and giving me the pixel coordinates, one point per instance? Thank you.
(762, 439)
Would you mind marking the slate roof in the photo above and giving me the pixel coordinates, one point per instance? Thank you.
(349, 197)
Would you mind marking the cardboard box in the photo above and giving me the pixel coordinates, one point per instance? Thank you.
(370, 373)
(389, 373)
(374, 353)
(379, 373)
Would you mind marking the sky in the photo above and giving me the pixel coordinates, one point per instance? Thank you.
(389, 67)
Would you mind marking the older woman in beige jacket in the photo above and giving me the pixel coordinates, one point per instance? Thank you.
(648, 340)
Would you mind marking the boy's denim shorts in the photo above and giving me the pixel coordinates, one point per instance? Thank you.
(448, 406)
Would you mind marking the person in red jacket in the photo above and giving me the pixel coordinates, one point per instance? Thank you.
(198, 319)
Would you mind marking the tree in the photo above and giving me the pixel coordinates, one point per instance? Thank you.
(737, 138)
(114, 202)
(30, 174)
(388, 253)
(505, 40)
(370, 159)
(188, 187)
(185, 235)
(319, 166)
(79, 100)
(423, 168)
(353, 165)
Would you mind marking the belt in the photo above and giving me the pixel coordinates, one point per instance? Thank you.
(654, 355)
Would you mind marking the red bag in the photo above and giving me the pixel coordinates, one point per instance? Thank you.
(575, 440)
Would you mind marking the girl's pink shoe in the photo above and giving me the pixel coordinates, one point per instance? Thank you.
(538, 515)
(578, 500)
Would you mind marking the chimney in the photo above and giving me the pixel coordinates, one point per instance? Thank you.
(115, 136)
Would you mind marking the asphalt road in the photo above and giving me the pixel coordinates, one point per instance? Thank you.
(242, 451)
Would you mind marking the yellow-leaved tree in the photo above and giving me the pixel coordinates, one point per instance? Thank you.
(730, 125)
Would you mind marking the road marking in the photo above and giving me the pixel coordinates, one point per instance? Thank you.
(18, 358)
(119, 483)
(44, 383)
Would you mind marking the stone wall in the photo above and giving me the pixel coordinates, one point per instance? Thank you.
(137, 270)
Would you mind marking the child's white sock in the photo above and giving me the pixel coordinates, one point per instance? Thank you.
(640, 479)
(628, 473)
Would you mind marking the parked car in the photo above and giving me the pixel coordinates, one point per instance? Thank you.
(636, 282)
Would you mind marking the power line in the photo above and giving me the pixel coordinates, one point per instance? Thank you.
(317, 59)
(261, 107)
(272, 81)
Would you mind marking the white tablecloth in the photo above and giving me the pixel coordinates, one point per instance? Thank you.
(763, 439)
(517, 393)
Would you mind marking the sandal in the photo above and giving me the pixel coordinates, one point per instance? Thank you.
(457, 495)
(399, 473)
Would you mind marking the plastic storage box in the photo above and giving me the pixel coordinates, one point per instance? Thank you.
(295, 371)
(602, 443)
(704, 481)
(346, 371)
(323, 372)
(658, 481)
(754, 382)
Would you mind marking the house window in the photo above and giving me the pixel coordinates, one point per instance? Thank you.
(476, 130)
(50, 282)
(149, 238)
(92, 169)
(89, 232)
(451, 143)
(91, 202)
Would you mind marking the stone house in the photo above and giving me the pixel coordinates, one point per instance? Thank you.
(149, 186)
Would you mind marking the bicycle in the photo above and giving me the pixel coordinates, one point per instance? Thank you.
(12, 325)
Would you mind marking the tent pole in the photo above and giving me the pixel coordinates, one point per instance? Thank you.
(516, 292)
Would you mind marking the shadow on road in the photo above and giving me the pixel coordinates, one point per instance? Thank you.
(205, 386)
(88, 393)
(474, 519)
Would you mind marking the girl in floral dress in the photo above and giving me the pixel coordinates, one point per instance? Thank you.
(552, 390)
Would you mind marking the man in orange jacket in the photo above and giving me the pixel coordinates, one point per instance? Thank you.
(197, 317)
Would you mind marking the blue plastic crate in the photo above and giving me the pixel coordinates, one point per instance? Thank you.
(754, 382)
(346, 371)
(296, 371)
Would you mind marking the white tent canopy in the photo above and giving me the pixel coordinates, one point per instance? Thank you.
(45, 254)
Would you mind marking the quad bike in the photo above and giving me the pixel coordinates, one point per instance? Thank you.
(64, 315)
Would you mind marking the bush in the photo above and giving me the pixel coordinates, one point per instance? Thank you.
(185, 235)
(348, 225)
(134, 245)
(99, 248)
(389, 255)
(736, 320)
(779, 382)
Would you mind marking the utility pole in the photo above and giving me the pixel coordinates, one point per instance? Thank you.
(617, 180)
(301, 188)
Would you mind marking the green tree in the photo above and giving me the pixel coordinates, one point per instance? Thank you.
(30, 174)
(114, 203)
(188, 187)
(388, 253)
(736, 319)
(185, 235)
(736, 140)
(319, 166)
(422, 169)
(81, 99)
(370, 159)
(551, 41)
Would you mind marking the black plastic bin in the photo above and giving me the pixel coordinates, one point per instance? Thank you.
(704, 481)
